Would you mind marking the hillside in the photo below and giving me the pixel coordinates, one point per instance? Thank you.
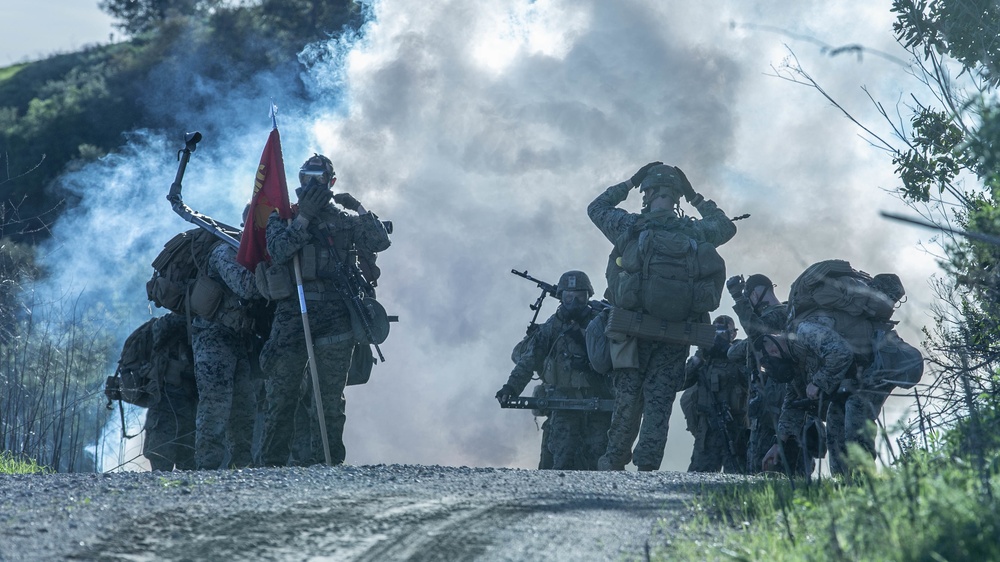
(60, 112)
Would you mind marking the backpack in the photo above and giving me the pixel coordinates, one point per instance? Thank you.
(895, 361)
(665, 273)
(834, 290)
(177, 267)
(835, 285)
(146, 364)
(598, 346)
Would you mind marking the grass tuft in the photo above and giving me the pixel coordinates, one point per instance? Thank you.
(12, 464)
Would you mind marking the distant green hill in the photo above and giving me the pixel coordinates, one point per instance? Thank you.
(62, 111)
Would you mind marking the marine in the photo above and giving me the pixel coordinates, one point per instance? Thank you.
(760, 312)
(648, 381)
(575, 439)
(328, 239)
(222, 341)
(715, 404)
(169, 428)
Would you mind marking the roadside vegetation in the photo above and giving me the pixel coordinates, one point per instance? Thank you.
(929, 507)
(936, 500)
(10, 464)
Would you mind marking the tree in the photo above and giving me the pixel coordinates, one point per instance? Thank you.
(946, 159)
(140, 16)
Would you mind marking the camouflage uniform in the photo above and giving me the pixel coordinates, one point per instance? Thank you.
(720, 389)
(764, 402)
(170, 422)
(221, 344)
(645, 396)
(822, 357)
(335, 235)
(575, 439)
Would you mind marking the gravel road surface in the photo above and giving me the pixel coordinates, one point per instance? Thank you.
(364, 513)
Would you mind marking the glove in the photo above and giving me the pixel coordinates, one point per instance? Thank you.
(347, 201)
(505, 393)
(637, 177)
(687, 189)
(735, 286)
(312, 201)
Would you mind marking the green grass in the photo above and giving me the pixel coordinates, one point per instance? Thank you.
(11, 464)
(8, 71)
(930, 509)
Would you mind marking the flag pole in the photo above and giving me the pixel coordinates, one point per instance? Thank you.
(313, 371)
(307, 334)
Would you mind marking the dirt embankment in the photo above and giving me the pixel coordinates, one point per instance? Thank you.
(344, 513)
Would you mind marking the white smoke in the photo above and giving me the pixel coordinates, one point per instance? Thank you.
(483, 130)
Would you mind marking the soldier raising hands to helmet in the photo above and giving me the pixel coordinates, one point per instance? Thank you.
(328, 239)
(653, 249)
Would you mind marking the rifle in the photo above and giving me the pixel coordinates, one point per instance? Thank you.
(721, 420)
(548, 403)
(356, 292)
(547, 290)
(191, 141)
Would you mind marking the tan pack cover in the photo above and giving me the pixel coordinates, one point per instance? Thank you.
(649, 327)
(205, 297)
(624, 351)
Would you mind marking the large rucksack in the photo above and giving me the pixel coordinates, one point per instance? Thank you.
(665, 273)
(833, 289)
(157, 352)
(176, 269)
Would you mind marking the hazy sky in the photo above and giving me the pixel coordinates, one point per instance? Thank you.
(483, 130)
(33, 29)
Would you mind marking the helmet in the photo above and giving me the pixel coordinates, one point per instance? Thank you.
(661, 176)
(317, 167)
(889, 285)
(723, 319)
(574, 281)
(757, 280)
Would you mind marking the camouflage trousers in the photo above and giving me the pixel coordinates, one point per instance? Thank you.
(852, 421)
(226, 405)
(643, 402)
(576, 439)
(545, 457)
(763, 410)
(170, 429)
(285, 364)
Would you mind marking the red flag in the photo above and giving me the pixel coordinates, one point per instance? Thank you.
(270, 192)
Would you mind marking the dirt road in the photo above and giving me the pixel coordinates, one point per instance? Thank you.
(365, 513)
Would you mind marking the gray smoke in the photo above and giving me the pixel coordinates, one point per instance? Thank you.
(483, 131)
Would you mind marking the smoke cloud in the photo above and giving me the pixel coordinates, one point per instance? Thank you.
(483, 131)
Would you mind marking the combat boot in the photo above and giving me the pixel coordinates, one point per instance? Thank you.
(604, 463)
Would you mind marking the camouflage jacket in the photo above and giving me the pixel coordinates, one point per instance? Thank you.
(822, 357)
(237, 283)
(558, 352)
(719, 381)
(770, 320)
(714, 227)
(336, 233)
